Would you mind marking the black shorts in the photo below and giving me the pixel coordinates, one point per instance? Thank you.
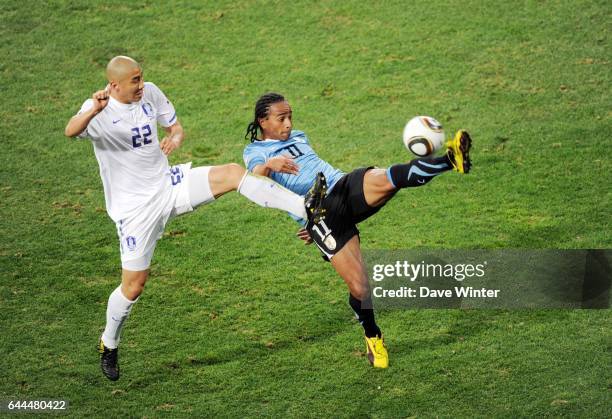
(345, 208)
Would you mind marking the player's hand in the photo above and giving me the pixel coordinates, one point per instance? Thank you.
(283, 164)
(304, 235)
(100, 99)
(169, 144)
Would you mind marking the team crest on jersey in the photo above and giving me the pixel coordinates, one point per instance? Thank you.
(131, 243)
(330, 242)
(148, 109)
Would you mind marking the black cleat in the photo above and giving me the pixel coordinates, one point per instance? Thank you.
(313, 200)
(109, 361)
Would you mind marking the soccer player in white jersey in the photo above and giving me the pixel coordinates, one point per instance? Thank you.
(141, 190)
(287, 157)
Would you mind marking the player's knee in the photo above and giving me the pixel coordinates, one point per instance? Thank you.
(360, 290)
(226, 177)
(133, 285)
(132, 291)
(378, 180)
(235, 172)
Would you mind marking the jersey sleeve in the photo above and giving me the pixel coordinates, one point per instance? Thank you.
(166, 115)
(87, 105)
(253, 156)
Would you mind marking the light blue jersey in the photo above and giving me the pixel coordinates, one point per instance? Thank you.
(297, 147)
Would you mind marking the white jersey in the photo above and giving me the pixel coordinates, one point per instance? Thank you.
(133, 168)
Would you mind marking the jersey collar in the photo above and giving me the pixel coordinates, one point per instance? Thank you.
(117, 104)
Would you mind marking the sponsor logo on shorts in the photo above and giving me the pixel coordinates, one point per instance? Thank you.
(131, 243)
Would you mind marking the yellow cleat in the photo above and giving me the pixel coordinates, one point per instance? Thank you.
(458, 151)
(377, 352)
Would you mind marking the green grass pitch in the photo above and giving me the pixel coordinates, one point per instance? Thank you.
(239, 318)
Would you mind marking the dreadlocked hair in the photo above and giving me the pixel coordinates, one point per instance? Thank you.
(262, 107)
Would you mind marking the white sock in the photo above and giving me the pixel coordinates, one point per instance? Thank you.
(117, 312)
(267, 193)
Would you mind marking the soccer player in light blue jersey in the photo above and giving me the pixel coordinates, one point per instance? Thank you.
(286, 156)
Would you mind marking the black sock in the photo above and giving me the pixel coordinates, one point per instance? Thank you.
(418, 171)
(365, 317)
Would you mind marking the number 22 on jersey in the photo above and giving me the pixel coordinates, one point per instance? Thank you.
(141, 134)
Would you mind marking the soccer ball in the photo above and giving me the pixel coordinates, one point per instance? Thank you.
(423, 135)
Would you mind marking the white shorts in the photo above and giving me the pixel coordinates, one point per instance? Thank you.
(139, 234)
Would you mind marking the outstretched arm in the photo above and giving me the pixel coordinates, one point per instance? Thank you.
(79, 122)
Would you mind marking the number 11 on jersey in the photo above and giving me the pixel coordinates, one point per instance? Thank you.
(322, 234)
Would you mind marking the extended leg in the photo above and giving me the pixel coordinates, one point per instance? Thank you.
(379, 185)
(261, 190)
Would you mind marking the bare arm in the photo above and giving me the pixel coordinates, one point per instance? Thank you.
(281, 164)
(303, 234)
(79, 122)
(173, 139)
